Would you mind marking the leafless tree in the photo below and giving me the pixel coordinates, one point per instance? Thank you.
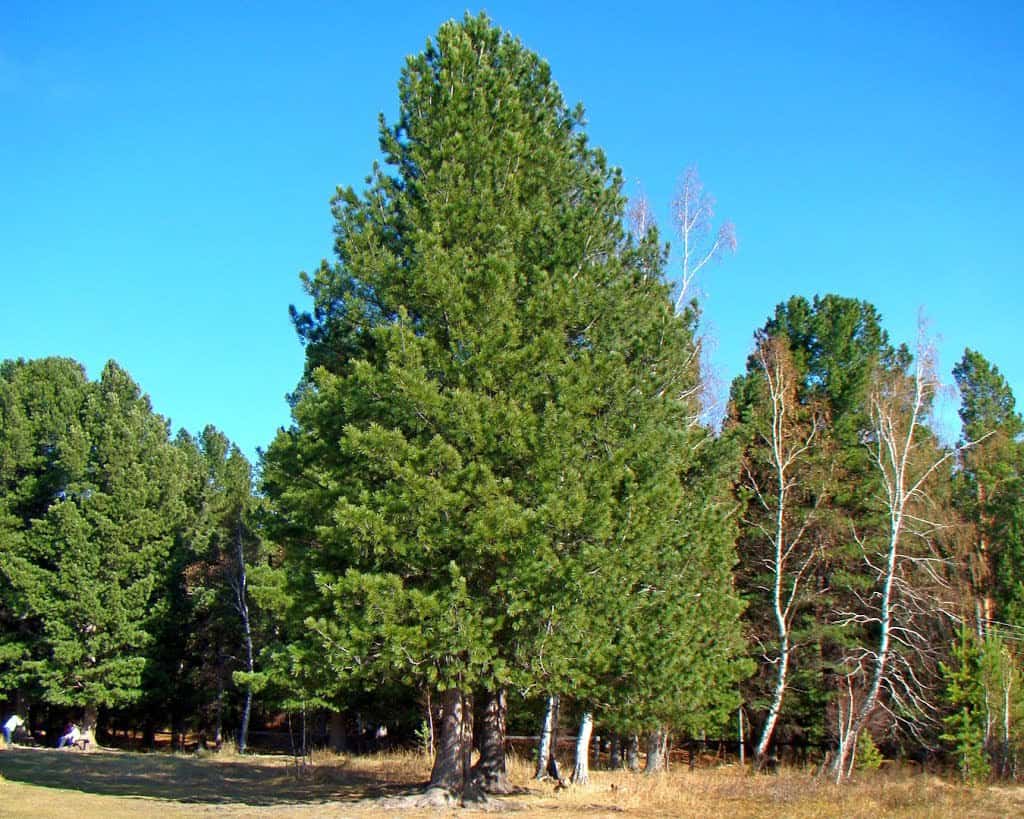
(239, 585)
(788, 434)
(693, 211)
(640, 216)
(910, 587)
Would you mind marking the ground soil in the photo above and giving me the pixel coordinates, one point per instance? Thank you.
(111, 784)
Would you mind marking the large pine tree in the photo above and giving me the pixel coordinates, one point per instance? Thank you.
(490, 439)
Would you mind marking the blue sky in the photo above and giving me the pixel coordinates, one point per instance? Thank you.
(165, 168)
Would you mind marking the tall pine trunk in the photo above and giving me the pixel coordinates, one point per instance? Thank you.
(581, 771)
(455, 744)
(490, 771)
(615, 752)
(656, 742)
(90, 718)
(336, 732)
(633, 752)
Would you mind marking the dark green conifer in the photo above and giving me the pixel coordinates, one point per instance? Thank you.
(492, 442)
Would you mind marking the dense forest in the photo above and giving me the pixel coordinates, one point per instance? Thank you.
(501, 508)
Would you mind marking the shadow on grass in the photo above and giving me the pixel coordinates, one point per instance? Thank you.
(256, 782)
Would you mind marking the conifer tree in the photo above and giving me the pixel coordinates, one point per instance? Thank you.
(41, 447)
(209, 588)
(488, 446)
(85, 567)
(991, 490)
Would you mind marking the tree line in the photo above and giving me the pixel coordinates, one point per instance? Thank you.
(499, 498)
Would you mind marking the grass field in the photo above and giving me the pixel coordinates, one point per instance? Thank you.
(114, 784)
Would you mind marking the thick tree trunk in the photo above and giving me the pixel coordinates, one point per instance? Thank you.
(336, 732)
(633, 752)
(455, 745)
(655, 752)
(581, 771)
(615, 752)
(90, 717)
(548, 738)
(490, 772)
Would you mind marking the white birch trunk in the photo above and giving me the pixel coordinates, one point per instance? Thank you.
(788, 445)
(898, 406)
(242, 603)
(545, 748)
(581, 771)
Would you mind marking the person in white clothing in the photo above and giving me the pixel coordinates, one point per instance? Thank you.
(12, 724)
(70, 737)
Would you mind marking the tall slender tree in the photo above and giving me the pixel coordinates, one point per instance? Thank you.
(991, 491)
(908, 568)
(785, 481)
(799, 414)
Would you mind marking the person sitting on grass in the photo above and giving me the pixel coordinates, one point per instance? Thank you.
(70, 737)
(12, 724)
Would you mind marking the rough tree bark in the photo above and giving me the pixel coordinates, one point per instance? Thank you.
(455, 744)
(656, 742)
(615, 752)
(633, 752)
(90, 717)
(490, 772)
(581, 770)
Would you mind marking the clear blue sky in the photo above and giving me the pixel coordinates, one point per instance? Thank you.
(165, 167)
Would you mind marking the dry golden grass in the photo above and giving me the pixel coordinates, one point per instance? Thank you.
(112, 784)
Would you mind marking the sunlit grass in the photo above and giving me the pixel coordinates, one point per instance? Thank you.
(112, 784)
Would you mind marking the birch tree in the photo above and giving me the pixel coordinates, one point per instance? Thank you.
(701, 243)
(805, 389)
(908, 571)
(785, 492)
(581, 769)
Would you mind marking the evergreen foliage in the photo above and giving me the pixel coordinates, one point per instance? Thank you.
(493, 477)
(100, 514)
(991, 487)
(966, 695)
